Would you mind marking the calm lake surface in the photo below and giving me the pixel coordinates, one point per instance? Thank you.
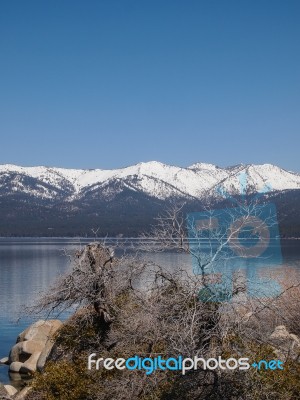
(29, 265)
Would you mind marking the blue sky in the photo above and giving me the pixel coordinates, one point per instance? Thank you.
(105, 84)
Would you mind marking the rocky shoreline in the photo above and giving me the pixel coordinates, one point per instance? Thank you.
(28, 355)
(34, 346)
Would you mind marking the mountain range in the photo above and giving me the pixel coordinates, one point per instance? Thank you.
(46, 201)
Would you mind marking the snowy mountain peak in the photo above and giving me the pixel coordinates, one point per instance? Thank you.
(152, 178)
(200, 166)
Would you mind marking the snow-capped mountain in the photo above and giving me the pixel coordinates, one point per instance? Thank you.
(43, 201)
(154, 179)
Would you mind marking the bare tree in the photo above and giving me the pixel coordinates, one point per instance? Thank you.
(149, 311)
(96, 276)
(216, 248)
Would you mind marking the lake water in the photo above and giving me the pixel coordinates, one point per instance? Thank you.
(29, 265)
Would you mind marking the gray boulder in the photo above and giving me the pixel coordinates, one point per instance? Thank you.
(15, 366)
(11, 390)
(40, 331)
(22, 395)
(22, 351)
(33, 347)
(286, 345)
(44, 355)
(3, 393)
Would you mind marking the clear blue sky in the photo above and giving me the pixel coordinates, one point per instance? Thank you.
(105, 84)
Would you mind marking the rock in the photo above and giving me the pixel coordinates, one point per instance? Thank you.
(10, 390)
(3, 393)
(22, 351)
(15, 366)
(287, 345)
(33, 344)
(44, 355)
(280, 332)
(23, 393)
(29, 366)
(4, 361)
(40, 331)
